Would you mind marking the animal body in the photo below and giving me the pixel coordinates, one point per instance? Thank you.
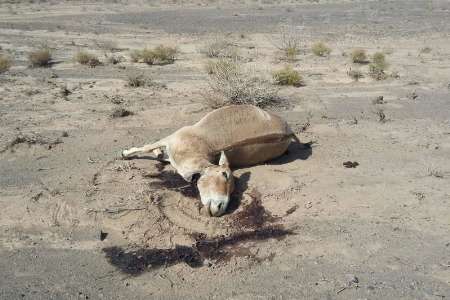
(233, 136)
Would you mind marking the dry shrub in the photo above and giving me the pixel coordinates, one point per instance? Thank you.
(379, 59)
(160, 55)
(288, 76)
(378, 66)
(86, 58)
(321, 49)
(40, 58)
(5, 63)
(359, 56)
(214, 66)
(230, 84)
(164, 54)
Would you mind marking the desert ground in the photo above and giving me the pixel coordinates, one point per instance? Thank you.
(78, 222)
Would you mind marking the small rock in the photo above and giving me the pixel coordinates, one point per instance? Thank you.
(350, 164)
(103, 235)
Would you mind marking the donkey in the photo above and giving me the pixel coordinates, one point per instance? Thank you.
(233, 136)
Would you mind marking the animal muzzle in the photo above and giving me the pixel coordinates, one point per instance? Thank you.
(218, 206)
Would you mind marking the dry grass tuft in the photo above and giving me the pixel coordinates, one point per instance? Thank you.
(321, 49)
(5, 63)
(86, 58)
(288, 76)
(232, 85)
(359, 56)
(40, 58)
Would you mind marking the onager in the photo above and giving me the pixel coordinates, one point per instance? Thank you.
(242, 135)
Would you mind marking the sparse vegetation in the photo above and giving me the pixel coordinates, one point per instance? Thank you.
(121, 112)
(232, 85)
(140, 80)
(289, 43)
(214, 66)
(359, 56)
(164, 54)
(5, 63)
(137, 80)
(378, 66)
(218, 47)
(381, 115)
(321, 49)
(379, 59)
(160, 55)
(86, 58)
(40, 58)
(288, 76)
(135, 55)
(114, 59)
(356, 75)
(435, 173)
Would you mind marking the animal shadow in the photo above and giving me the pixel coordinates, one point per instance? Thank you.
(240, 186)
(294, 152)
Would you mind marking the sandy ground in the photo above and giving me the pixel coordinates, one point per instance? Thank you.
(76, 222)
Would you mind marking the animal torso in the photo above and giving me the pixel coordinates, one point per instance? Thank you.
(249, 135)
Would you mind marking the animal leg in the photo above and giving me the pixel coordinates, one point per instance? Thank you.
(155, 147)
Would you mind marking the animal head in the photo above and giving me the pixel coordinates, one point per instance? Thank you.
(215, 186)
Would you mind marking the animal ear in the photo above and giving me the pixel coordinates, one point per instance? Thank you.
(223, 159)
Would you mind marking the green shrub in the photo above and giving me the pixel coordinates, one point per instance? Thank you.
(40, 58)
(379, 59)
(288, 76)
(321, 49)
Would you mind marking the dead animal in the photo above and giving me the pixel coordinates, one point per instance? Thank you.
(232, 136)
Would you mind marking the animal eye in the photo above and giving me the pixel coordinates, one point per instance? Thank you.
(225, 175)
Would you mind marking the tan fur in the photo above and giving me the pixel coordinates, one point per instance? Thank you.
(247, 134)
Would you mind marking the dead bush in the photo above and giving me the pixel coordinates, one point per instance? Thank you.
(359, 56)
(5, 63)
(40, 58)
(321, 49)
(288, 76)
(230, 84)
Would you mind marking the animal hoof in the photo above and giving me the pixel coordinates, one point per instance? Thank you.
(123, 154)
